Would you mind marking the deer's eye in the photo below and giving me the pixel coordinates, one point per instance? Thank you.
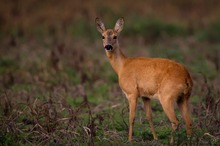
(115, 37)
(103, 37)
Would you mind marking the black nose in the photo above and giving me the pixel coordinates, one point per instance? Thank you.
(108, 47)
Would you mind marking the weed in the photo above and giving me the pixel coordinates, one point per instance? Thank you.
(57, 88)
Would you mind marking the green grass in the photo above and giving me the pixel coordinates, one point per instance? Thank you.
(8, 65)
(84, 93)
(73, 75)
(152, 28)
(211, 33)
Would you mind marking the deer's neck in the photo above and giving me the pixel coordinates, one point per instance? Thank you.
(116, 58)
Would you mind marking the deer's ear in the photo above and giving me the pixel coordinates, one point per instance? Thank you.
(99, 25)
(119, 25)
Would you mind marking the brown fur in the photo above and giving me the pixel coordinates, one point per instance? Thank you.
(149, 78)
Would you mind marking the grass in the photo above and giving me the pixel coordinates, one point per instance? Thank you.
(211, 33)
(58, 88)
(152, 28)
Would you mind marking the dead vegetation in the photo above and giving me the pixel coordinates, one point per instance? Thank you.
(57, 87)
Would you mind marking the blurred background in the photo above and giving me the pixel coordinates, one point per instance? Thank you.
(30, 16)
(57, 86)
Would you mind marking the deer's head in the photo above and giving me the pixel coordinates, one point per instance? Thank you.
(110, 36)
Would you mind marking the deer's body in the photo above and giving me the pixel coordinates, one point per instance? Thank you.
(149, 78)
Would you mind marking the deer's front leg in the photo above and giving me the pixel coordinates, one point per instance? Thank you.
(132, 99)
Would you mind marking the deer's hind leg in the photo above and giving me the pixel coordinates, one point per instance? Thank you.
(167, 102)
(168, 108)
(184, 109)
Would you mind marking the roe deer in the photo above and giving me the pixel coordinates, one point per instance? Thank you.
(149, 78)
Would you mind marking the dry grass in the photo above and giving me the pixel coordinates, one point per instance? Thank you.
(57, 87)
(28, 14)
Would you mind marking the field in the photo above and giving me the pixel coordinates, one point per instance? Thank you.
(57, 86)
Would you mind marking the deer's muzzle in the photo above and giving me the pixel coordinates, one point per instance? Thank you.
(108, 47)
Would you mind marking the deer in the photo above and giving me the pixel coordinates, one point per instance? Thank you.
(148, 78)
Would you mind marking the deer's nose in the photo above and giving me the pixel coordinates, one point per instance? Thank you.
(108, 47)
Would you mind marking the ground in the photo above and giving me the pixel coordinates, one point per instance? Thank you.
(58, 88)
